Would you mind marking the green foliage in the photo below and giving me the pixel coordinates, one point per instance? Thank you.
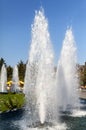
(21, 70)
(83, 75)
(9, 73)
(83, 78)
(22, 67)
(11, 101)
(2, 61)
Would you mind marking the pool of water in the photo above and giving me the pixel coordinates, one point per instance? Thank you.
(14, 120)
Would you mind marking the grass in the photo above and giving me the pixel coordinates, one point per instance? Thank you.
(11, 101)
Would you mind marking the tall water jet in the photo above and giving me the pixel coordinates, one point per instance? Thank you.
(15, 79)
(39, 79)
(3, 79)
(67, 77)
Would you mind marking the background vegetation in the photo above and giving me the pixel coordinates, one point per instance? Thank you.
(22, 67)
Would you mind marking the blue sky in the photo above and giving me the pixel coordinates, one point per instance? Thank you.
(16, 17)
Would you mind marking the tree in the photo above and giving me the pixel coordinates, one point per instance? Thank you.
(2, 61)
(84, 76)
(21, 70)
(82, 71)
(9, 73)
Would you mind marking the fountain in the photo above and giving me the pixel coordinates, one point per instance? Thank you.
(3, 79)
(39, 88)
(51, 98)
(67, 77)
(15, 79)
(48, 93)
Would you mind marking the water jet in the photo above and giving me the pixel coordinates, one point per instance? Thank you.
(68, 84)
(39, 88)
(3, 79)
(15, 79)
